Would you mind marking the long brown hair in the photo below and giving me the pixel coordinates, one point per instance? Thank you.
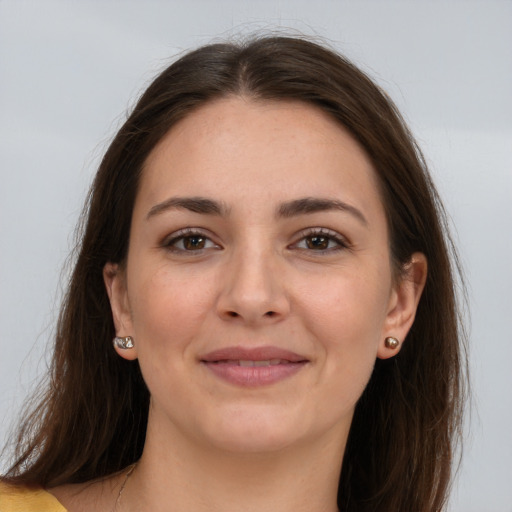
(92, 418)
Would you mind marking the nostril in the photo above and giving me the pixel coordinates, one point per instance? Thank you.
(270, 313)
(232, 314)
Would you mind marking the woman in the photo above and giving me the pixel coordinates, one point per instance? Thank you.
(265, 248)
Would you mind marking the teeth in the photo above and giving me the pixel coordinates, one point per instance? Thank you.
(267, 362)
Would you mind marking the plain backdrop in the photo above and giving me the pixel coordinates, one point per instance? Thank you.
(69, 71)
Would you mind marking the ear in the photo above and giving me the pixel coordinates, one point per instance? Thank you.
(115, 283)
(403, 304)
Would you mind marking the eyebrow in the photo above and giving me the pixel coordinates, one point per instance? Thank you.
(193, 204)
(313, 204)
(289, 209)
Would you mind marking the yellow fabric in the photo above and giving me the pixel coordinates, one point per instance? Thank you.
(20, 499)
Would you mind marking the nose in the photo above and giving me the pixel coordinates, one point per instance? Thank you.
(253, 289)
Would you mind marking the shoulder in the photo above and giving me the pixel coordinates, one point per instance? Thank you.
(15, 498)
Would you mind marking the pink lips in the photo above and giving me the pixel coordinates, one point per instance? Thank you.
(253, 367)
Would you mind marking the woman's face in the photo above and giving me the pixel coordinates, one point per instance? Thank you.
(258, 287)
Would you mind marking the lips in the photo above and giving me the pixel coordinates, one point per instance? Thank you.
(267, 362)
(251, 367)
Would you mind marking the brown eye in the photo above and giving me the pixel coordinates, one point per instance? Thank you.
(321, 241)
(318, 243)
(191, 243)
(187, 241)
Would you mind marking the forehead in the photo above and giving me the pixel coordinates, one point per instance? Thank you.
(242, 149)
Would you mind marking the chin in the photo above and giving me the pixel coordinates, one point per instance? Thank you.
(250, 432)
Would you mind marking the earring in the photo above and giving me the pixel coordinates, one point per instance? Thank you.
(123, 342)
(391, 343)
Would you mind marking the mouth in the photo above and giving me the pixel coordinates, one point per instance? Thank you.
(255, 366)
(249, 362)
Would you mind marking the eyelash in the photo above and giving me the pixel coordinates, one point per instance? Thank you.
(170, 242)
(331, 236)
(187, 233)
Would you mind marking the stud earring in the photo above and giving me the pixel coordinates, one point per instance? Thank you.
(123, 342)
(391, 343)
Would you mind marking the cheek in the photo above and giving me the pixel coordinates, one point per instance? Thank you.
(168, 309)
(346, 319)
(168, 315)
(350, 308)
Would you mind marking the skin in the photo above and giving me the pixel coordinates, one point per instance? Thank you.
(251, 277)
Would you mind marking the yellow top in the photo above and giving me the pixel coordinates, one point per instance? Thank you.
(14, 498)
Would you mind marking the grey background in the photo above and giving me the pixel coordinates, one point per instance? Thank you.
(69, 70)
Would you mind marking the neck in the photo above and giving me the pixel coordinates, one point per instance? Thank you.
(183, 476)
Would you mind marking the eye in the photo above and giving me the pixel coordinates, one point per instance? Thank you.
(321, 240)
(189, 240)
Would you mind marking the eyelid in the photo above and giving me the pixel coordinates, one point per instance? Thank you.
(168, 241)
(341, 240)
